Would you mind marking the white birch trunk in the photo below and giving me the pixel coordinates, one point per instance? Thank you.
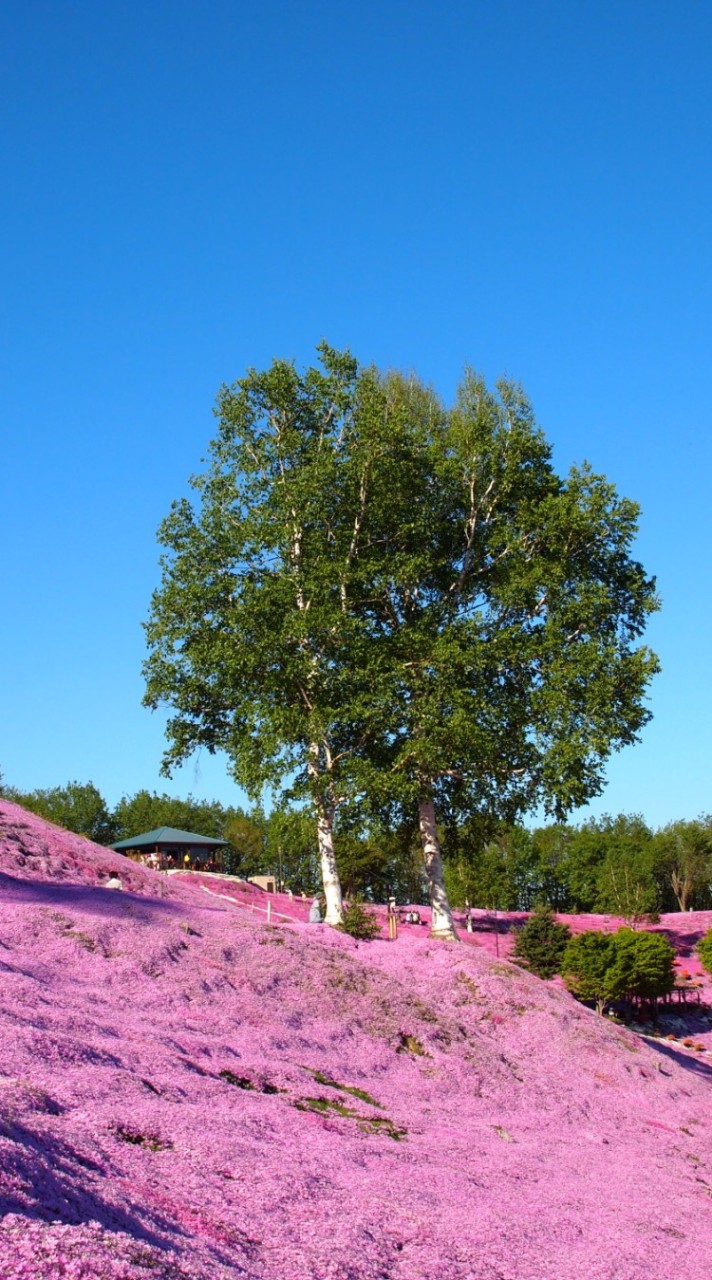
(442, 924)
(325, 838)
(329, 870)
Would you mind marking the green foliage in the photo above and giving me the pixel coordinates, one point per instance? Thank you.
(505, 615)
(613, 865)
(704, 951)
(254, 639)
(506, 872)
(360, 923)
(377, 862)
(247, 849)
(551, 854)
(541, 943)
(610, 867)
(627, 888)
(146, 810)
(248, 628)
(362, 864)
(684, 858)
(588, 968)
(291, 848)
(506, 608)
(626, 881)
(646, 962)
(626, 965)
(511, 870)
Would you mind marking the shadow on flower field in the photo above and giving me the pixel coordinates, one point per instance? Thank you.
(696, 1066)
(684, 941)
(97, 900)
(51, 1176)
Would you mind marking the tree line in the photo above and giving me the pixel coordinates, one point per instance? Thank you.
(612, 865)
(617, 865)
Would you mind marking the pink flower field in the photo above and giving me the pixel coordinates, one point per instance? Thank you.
(190, 1093)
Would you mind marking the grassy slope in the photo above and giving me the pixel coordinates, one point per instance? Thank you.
(177, 1099)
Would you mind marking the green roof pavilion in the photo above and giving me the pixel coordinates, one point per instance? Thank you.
(185, 846)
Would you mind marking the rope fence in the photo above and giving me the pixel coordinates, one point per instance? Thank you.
(252, 906)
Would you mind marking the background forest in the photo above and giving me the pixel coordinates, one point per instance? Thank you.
(617, 865)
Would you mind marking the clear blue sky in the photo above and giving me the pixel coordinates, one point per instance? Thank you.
(192, 188)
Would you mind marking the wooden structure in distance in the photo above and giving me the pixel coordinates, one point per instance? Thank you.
(167, 847)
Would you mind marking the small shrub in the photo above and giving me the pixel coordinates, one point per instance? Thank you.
(360, 923)
(149, 1141)
(411, 1044)
(541, 944)
(244, 1082)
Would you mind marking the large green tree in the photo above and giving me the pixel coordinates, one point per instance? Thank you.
(253, 640)
(683, 855)
(612, 866)
(506, 610)
(376, 597)
(550, 852)
(292, 855)
(497, 873)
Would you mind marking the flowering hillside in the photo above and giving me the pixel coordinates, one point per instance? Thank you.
(190, 1093)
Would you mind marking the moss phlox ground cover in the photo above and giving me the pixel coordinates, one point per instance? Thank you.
(190, 1093)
